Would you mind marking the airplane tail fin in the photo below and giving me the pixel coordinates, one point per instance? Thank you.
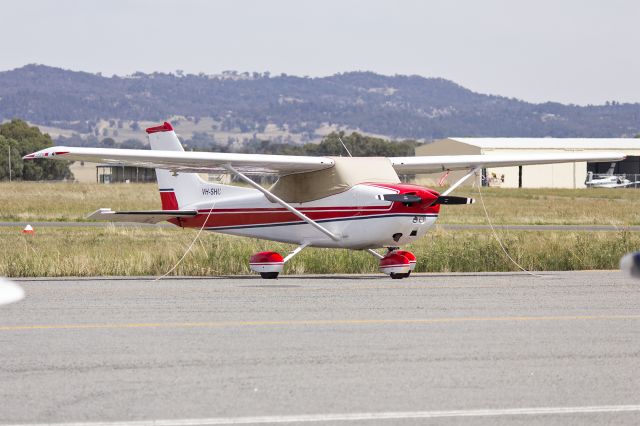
(182, 190)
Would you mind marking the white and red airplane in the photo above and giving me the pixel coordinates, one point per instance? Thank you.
(353, 203)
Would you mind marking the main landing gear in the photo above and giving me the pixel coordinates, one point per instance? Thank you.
(396, 263)
(269, 264)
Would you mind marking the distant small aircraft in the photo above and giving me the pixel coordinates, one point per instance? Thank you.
(607, 180)
(354, 203)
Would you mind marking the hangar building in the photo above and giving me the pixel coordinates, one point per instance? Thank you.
(565, 175)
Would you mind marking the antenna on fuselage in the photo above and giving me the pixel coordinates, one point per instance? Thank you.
(344, 146)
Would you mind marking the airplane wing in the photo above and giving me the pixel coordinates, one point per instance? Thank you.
(140, 216)
(191, 162)
(214, 162)
(624, 185)
(439, 163)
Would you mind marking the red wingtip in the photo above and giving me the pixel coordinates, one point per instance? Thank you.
(165, 127)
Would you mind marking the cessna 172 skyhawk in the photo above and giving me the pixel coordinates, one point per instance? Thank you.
(336, 202)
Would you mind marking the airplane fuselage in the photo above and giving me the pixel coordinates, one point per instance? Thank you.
(608, 182)
(359, 216)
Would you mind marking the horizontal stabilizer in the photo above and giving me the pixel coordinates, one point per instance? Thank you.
(143, 216)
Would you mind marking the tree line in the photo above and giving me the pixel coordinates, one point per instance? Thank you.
(357, 144)
(17, 139)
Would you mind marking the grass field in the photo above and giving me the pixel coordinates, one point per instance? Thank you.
(34, 201)
(153, 251)
(40, 201)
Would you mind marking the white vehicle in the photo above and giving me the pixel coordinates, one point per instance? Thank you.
(336, 202)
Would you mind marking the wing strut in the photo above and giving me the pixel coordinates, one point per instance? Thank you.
(271, 197)
(294, 252)
(462, 179)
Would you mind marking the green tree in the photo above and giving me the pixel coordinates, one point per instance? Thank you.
(133, 144)
(26, 139)
(361, 146)
(9, 146)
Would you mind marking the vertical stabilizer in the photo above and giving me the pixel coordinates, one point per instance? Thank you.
(612, 169)
(181, 190)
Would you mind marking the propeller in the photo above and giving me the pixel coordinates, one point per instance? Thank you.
(451, 199)
(413, 198)
(402, 198)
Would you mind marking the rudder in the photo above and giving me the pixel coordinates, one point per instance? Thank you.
(180, 190)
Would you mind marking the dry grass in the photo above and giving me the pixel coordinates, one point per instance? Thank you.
(60, 201)
(35, 201)
(153, 251)
(619, 207)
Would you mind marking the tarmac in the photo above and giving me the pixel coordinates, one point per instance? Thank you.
(503, 348)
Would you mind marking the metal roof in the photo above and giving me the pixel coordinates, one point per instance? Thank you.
(552, 143)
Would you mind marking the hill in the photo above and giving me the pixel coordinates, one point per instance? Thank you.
(256, 104)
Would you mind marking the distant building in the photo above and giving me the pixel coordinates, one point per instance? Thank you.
(564, 175)
(109, 173)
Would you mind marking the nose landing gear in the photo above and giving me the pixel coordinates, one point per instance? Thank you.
(396, 263)
(411, 257)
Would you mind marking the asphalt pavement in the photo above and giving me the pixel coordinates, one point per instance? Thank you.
(503, 348)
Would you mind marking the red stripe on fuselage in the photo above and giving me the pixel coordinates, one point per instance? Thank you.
(302, 209)
(248, 216)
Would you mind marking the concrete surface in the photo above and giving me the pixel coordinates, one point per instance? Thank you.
(435, 349)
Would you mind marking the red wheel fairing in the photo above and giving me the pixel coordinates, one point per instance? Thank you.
(266, 262)
(394, 263)
(410, 256)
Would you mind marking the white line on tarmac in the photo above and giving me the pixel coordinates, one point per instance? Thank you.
(359, 416)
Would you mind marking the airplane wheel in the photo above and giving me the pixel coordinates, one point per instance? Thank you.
(269, 275)
(398, 276)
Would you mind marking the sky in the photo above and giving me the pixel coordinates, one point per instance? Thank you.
(569, 51)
